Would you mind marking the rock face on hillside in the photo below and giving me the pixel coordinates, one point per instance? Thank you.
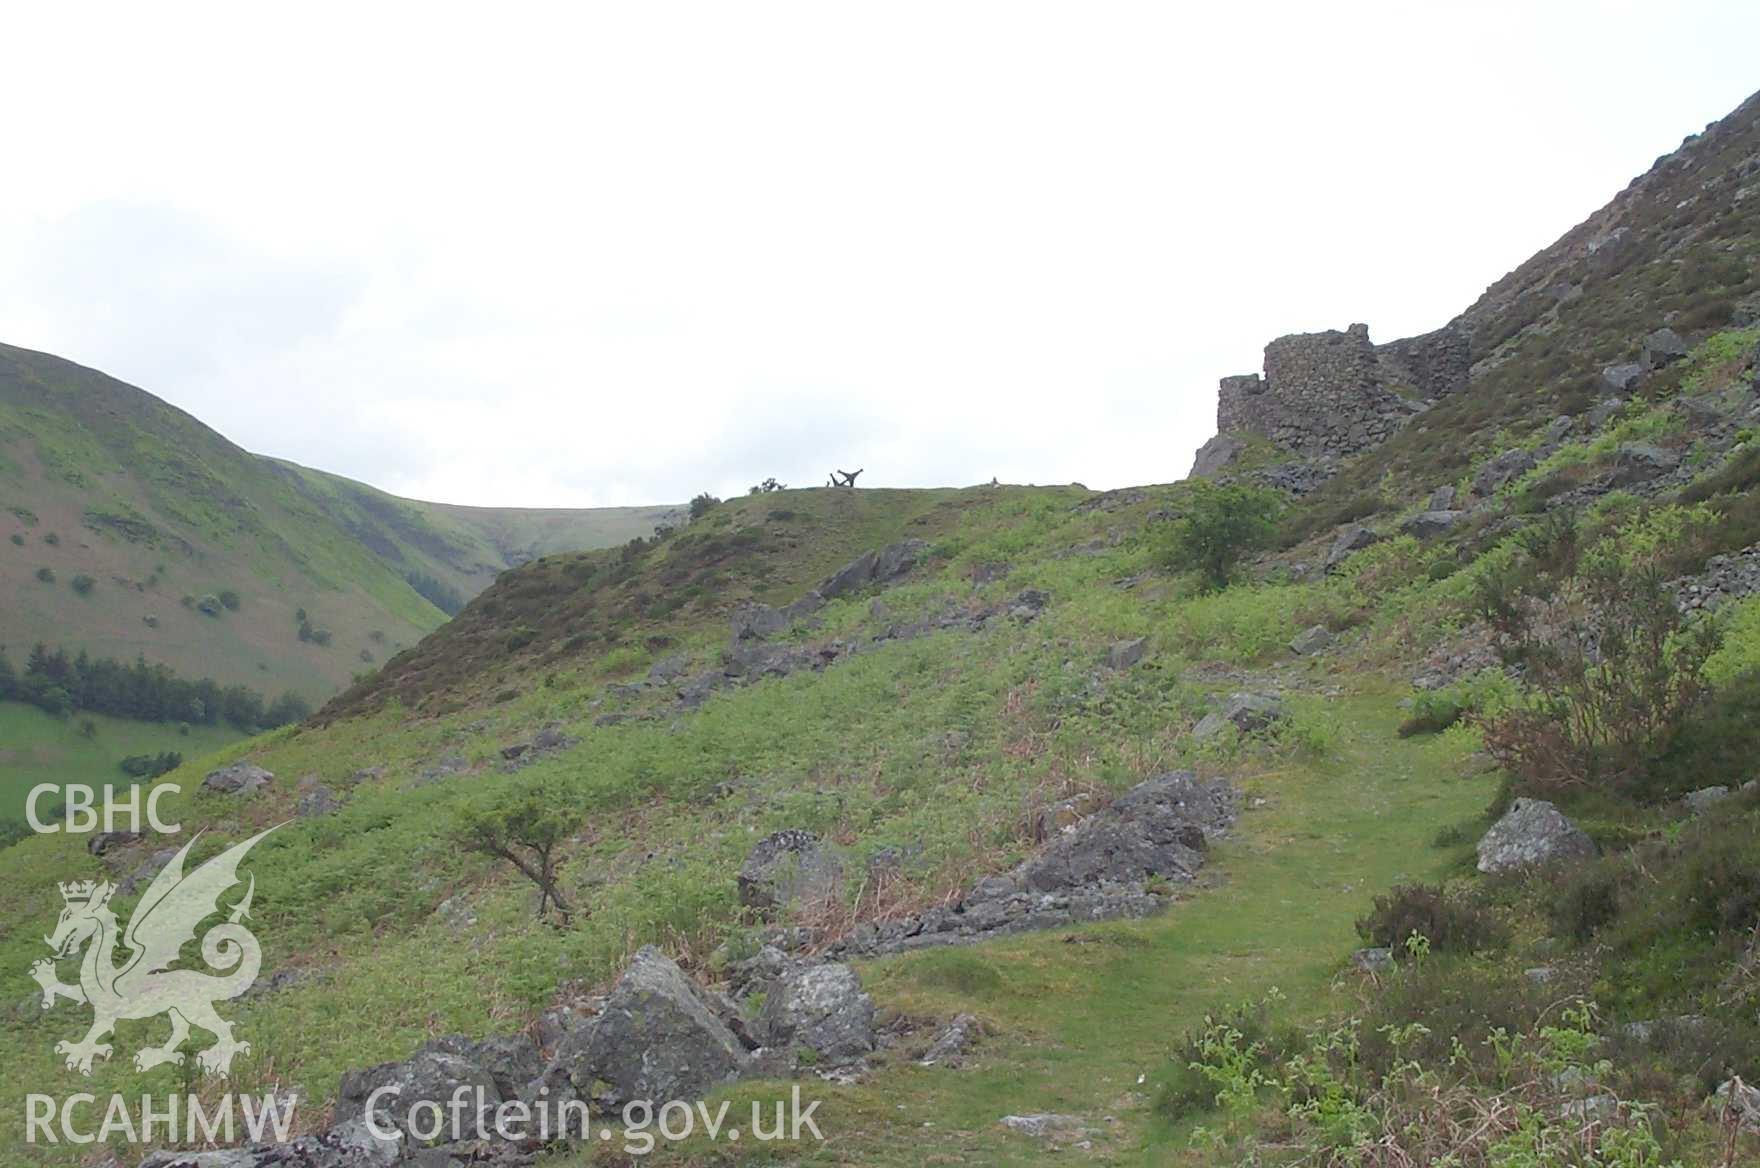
(875, 567)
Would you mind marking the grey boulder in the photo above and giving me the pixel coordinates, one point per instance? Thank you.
(758, 621)
(1311, 641)
(1744, 1101)
(657, 1039)
(1045, 1126)
(1430, 524)
(874, 567)
(1216, 454)
(1353, 538)
(1704, 799)
(1621, 379)
(318, 801)
(1532, 832)
(1248, 713)
(432, 1076)
(786, 867)
(1663, 347)
(1639, 462)
(820, 1008)
(241, 778)
(1125, 654)
(1501, 471)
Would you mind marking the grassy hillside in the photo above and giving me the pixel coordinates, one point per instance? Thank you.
(36, 748)
(155, 511)
(925, 726)
(943, 746)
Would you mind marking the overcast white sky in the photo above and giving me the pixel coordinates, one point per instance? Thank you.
(614, 254)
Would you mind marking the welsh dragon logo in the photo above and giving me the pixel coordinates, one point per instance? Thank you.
(142, 985)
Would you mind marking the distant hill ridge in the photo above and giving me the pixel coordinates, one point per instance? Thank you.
(128, 520)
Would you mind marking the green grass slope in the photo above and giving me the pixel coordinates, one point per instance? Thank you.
(101, 480)
(36, 748)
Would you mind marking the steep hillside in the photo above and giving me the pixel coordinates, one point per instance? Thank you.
(1678, 248)
(152, 512)
(1389, 800)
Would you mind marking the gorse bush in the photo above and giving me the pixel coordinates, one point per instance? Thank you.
(1613, 668)
(1221, 524)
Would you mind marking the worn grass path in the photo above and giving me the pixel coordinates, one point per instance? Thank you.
(1081, 1014)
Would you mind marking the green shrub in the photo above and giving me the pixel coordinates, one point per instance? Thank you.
(46, 575)
(1220, 525)
(703, 504)
(1244, 1034)
(1588, 900)
(18, 539)
(229, 600)
(1432, 713)
(1613, 668)
(1717, 746)
(1450, 922)
(523, 826)
(82, 584)
(1459, 1004)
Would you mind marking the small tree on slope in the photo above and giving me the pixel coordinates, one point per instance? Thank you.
(1220, 525)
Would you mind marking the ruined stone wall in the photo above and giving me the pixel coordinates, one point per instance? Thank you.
(1322, 395)
(1433, 365)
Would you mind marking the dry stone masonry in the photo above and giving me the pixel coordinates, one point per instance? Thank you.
(1331, 394)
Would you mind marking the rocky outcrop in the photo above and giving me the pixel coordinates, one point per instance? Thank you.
(1113, 864)
(1532, 832)
(876, 567)
(1311, 641)
(1725, 578)
(657, 1037)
